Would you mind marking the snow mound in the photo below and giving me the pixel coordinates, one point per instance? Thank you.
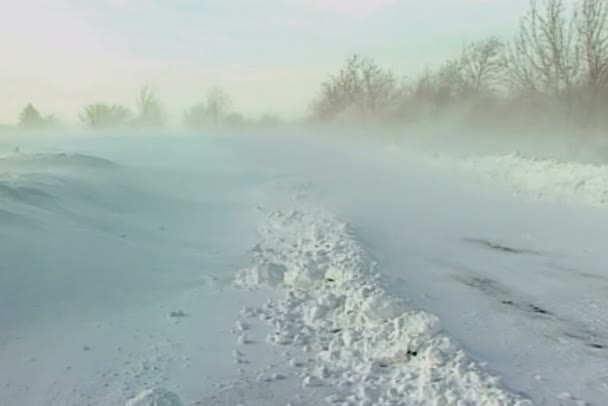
(61, 183)
(541, 179)
(365, 345)
(155, 397)
(22, 192)
(40, 161)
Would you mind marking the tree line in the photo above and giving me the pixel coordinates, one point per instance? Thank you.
(555, 70)
(213, 112)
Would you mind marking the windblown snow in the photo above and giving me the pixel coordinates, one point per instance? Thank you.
(258, 272)
(545, 180)
(360, 346)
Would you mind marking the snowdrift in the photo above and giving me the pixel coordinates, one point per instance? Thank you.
(544, 180)
(344, 335)
(239, 271)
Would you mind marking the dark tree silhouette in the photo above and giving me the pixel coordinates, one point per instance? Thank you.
(212, 112)
(149, 109)
(361, 89)
(31, 118)
(105, 116)
(218, 104)
(197, 117)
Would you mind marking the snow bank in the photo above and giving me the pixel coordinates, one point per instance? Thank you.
(54, 161)
(59, 182)
(364, 345)
(32, 178)
(539, 179)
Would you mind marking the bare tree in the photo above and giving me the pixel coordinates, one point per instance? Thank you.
(197, 116)
(149, 109)
(218, 104)
(236, 121)
(482, 65)
(212, 112)
(105, 116)
(543, 57)
(268, 121)
(30, 118)
(592, 28)
(449, 83)
(360, 87)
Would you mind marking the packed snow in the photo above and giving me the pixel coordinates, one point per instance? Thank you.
(297, 271)
(546, 180)
(359, 344)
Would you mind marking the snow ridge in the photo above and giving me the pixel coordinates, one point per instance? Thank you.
(361, 343)
(546, 180)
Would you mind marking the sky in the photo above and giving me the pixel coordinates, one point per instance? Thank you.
(269, 55)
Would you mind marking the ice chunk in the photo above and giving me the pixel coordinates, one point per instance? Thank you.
(155, 397)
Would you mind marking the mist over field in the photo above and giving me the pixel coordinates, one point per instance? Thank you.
(292, 202)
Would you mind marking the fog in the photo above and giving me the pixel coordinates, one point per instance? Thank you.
(126, 228)
(304, 203)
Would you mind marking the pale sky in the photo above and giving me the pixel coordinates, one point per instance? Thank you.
(270, 55)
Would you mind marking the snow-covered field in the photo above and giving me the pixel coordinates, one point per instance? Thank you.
(302, 271)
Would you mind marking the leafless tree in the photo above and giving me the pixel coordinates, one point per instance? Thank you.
(31, 118)
(197, 117)
(218, 104)
(361, 87)
(543, 56)
(236, 121)
(268, 121)
(592, 28)
(149, 109)
(482, 65)
(105, 116)
(212, 112)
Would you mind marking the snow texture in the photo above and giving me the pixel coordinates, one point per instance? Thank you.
(366, 345)
(546, 180)
(127, 275)
(155, 397)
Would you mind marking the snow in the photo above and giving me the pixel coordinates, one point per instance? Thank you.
(546, 180)
(275, 271)
(155, 397)
(362, 343)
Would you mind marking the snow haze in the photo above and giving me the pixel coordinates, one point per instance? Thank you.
(270, 55)
(298, 203)
(271, 270)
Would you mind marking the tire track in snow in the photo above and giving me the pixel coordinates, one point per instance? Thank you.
(566, 327)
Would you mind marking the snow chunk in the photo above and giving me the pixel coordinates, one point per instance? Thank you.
(359, 338)
(155, 397)
(262, 274)
(539, 179)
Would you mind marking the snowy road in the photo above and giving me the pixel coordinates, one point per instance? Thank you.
(118, 266)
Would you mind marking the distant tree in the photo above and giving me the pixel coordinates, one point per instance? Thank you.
(360, 88)
(591, 20)
(197, 117)
(590, 100)
(105, 116)
(449, 84)
(236, 121)
(269, 121)
(482, 66)
(544, 55)
(149, 109)
(218, 104)
(212, 112)
(31, 118)
(433, 92)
